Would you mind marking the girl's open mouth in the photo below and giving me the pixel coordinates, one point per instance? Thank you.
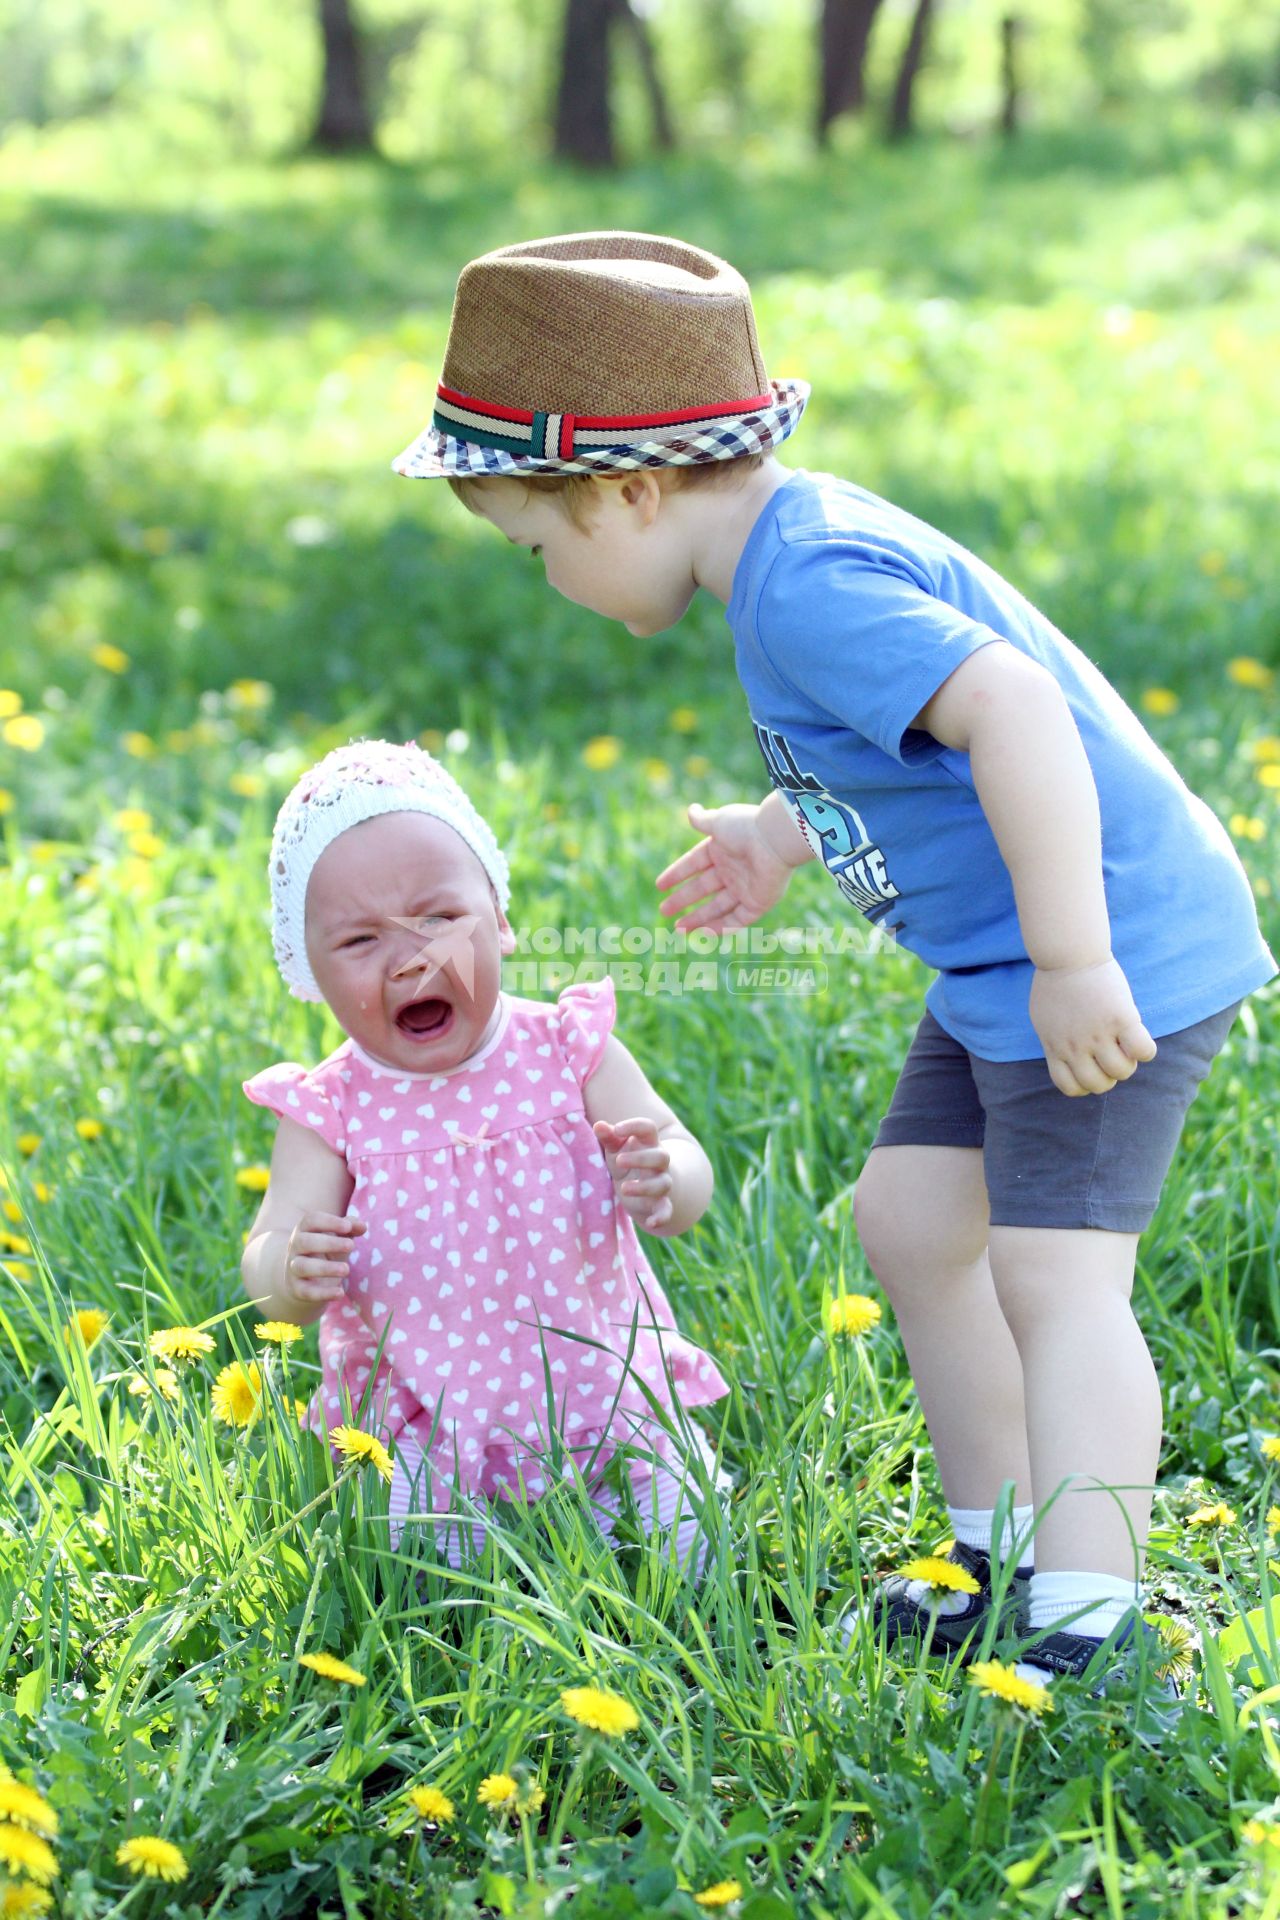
(425, 1019)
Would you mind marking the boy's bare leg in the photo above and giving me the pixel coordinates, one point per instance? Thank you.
(1093, 1401)
(923, 1222)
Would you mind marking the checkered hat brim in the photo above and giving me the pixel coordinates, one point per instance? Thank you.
(435, 453)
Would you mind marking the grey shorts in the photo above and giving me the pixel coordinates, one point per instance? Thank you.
(1051, 1159)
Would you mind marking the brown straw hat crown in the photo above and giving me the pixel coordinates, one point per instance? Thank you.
(595, 351)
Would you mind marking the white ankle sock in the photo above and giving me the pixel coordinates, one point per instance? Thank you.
(1098, 1600)
(973, 1527)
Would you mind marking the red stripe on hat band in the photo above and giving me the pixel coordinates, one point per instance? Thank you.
(567, 424)
(596, 421)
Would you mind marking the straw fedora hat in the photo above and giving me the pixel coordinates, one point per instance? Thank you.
(599, 352)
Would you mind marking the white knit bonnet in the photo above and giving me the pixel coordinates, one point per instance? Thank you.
(351, 784)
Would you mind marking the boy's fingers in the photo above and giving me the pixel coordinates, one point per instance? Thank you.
(688, 886)
(712, 913)
(1137, 1042)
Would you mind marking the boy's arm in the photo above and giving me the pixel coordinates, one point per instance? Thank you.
(662, 1176)
(740, 870)
(1036, 787)
(294, 1260)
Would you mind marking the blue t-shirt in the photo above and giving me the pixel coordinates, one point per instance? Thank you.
(848, 614)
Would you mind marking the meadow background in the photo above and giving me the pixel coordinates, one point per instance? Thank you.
(1060, 349)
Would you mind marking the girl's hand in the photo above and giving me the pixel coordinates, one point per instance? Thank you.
(317, 1261)
(640, 1167)
(734, 872)
(1091, 1031)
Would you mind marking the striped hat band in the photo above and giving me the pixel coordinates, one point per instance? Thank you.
(561, 436)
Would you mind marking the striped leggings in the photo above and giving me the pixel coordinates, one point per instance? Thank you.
(668, 1500)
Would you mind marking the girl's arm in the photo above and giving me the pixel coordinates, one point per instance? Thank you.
(295, 1260)
(662, 1177)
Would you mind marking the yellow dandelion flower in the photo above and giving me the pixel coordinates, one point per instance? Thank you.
(530, 1800)
(12, 1211)
(90, 1129)
(1265, 750)
(10, 703)
(498, 1790)
(430, 1804)
(1160, 700)
(853, 1314)
(1246, 672)
(253, 1179)
(42, 1191)
(354, 1444)
(26, 1808)
(722, 1894)
(166, 1380)
(147, 846)
(1261, 1833)
(1220, 1515)
(16, 1243)
(1270, 1447)
(1175, 1641)
(178, 740)
(250, 696)
(27, 1144)
(1273, 1519)
(600, 1710)
(603, 752)
(999, 1682)
(939, 1573)
(656, 772)
(237, 1394)
(683, 720)
(25, 732)
(26, 1853)
(157, 1859)
(140, 746)
(1247, 826)
(91, 1322)
(19, 1901)
(282, 1332)
(300, 1409)
(697, 766)
(330, 1669)
(1269, 775)
(110, 659)
(7, 801)
(247, 785)
(180, 1343)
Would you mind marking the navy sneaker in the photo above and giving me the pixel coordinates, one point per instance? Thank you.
(1133, 1653)
(955, 1635)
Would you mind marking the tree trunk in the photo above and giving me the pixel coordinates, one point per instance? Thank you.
(844, 34)
(663, 131)
(900, 122)
(584, 124)
(1010, 34)
(343, 124)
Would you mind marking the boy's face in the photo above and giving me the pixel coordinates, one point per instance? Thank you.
(406, 940)
(632, 562)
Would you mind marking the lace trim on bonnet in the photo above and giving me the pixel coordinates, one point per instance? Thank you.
(354, 783)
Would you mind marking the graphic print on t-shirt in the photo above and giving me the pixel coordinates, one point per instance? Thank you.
(835, 830)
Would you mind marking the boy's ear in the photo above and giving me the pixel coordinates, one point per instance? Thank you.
(642, 494)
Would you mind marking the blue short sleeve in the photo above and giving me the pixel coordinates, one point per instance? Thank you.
(862, 639)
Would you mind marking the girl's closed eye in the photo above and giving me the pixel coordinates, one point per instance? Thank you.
(356, 940)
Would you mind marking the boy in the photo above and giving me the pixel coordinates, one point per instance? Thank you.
(970, 781)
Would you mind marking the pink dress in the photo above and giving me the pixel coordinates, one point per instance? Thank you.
(494, 1237)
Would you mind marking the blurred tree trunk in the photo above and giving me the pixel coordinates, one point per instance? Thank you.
(343, 124)
(584, 123)
(843, 36)
(900, 121)
(1010, 34)
(584, 118)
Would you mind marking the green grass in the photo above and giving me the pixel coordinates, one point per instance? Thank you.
(1060, 353)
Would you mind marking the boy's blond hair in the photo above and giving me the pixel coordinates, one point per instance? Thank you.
(575, 494)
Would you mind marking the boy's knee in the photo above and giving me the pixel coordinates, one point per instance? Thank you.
(905, 1237)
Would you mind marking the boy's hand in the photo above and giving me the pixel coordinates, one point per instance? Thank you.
(640, 1167)
(317, 1262)
(734, 872)
(1091, 1030)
